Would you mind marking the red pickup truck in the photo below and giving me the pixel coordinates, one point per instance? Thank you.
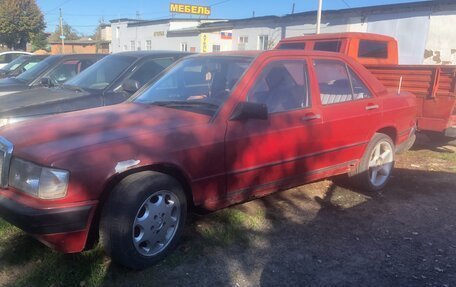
(433, 85)
(214, 130)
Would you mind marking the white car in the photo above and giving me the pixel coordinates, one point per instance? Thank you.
(6, 57)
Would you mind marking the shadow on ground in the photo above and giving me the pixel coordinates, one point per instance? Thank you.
(317, 234)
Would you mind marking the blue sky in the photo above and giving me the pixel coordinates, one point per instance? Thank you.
(84, 15)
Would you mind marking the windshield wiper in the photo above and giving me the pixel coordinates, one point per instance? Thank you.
(184, 104)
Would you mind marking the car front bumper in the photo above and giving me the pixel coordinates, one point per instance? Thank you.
(45, 221)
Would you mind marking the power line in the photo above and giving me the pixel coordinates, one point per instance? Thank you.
(346, 4)
(57, 7)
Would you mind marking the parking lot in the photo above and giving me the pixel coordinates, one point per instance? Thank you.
(317, 234)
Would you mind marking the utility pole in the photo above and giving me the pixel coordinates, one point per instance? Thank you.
(62, 37)
(292, 9)
(319, 16)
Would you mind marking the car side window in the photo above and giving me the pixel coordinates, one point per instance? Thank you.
(3, 59)
(149, 69)
(65, 71)
(337, 82)
(282, 86)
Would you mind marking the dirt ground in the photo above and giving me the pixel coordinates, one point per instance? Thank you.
(319, 234)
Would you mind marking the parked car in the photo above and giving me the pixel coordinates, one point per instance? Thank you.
(433, 85)
(6, 57)
(20, 65)
(110, 81)
(52, 71)
(214, 130)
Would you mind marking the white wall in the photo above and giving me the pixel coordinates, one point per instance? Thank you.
(441, 41)
(410, 30)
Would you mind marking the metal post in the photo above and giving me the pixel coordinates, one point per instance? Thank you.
(61, 32)
(319, 16)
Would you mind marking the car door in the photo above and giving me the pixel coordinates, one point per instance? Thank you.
(143, 72)
(265, 155)
(350, 112)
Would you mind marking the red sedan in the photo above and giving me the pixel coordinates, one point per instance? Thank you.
(213, 130)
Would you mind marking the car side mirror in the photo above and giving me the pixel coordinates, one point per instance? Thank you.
(46, 82)
(130, 86)
(246, 110)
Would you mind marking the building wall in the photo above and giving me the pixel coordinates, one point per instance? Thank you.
(71, 48)
(157, 34)
(441, 40)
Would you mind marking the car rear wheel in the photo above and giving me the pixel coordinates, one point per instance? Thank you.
(376, 165)
(143, 219)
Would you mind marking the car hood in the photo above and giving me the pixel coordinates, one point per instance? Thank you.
(46, 139)
(9, 85)
(38, 101)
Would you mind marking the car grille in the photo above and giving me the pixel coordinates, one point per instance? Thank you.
(6, 151)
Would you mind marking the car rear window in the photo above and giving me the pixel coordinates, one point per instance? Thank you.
(328, 46)
(373, 49)
(292, 46)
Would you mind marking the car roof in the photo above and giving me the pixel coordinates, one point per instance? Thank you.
(15, 52)
(140, 54)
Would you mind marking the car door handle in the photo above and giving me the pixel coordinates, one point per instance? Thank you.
(372, 107)
(310, 117)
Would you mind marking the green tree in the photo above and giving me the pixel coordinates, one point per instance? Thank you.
(40, 41)
(68, 32)
(20, 20)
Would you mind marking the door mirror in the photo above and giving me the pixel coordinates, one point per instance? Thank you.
(246, 110)
(130, 86)
(46, 82)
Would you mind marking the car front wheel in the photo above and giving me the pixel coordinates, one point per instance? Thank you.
(143, 219)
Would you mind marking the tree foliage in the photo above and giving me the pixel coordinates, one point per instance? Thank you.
(68, 32)
(20, 20)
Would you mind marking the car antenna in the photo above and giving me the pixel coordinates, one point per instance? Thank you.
(400, 85)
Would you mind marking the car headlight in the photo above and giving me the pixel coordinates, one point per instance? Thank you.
(3, 122)
(38, 181)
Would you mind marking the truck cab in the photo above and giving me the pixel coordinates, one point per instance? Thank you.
(366, 48)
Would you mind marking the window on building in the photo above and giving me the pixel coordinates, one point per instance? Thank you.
(132, 46)
(263, 42)
(372, 49)
(149, 45)
(125, 48)
(328, 46)
(215, 48)
(292, 46)
(338, 83)
(183, 47)
(139, 46)
(243, 39)
(117, 31)
(282, 86)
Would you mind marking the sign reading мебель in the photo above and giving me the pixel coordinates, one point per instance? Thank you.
(189, 9)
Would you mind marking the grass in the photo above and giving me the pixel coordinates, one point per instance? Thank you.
(37, 265)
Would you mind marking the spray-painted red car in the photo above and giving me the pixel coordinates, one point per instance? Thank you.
(213, 130)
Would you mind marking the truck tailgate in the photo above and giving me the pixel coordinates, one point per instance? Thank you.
(434, 87)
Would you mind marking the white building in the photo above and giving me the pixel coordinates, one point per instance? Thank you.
(424, 30)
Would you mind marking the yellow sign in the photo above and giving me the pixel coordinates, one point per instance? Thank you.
(189, 9)
(204, 43)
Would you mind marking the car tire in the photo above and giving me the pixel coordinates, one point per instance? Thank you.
(374, 170)
(143, 219)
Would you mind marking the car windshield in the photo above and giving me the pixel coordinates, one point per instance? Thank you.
(199, 84)
(32, 73)
(101, 74)
(15, 63)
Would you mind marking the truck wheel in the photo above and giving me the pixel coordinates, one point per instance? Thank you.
(376, 165)
(143, 219)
